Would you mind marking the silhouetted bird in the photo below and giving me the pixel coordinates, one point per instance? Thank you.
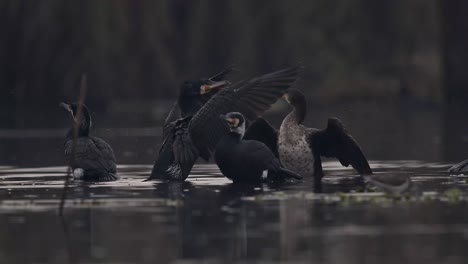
(91, 158)
(247, 161)
(193, 95)
(460, 167)
(300, 148)
(197, 135)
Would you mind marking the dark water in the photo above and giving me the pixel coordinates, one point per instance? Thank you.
(209, 220)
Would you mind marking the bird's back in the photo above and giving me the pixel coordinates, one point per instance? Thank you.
(93, 155)
(244, 160)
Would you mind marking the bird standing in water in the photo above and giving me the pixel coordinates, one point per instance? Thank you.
(90, 158)
(300, 148)
(247, 161)
(196, 134)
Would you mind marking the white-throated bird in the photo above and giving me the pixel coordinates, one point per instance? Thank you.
(197, 134)
(193, 95)
(247, 161)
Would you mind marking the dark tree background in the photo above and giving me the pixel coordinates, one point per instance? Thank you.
(140, 50)
(454, 42)
(406, 60)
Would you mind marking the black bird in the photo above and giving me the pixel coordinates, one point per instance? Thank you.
(247, 161)
(460, 167)
(93, 158)
(193, 95)
(197, 135)
(300, 148)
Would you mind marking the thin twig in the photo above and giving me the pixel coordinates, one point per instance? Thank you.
(78, 115)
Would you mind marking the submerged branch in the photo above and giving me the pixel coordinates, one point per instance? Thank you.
(82, 96)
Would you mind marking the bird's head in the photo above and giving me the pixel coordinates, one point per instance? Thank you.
(235, 121)
(297, 100)
(201, 87)
(294, 97)
(81, 116)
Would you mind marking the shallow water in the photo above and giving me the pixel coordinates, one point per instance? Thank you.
(208, 220)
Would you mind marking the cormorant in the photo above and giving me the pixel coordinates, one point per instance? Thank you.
(193, 95)
(93, 158)
(300, 148)
(460, 167)
(197, 135)
(247, 161)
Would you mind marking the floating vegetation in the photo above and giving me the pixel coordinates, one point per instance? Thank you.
(112, 203)
(38, 189)
(378, 198)
(453, 195)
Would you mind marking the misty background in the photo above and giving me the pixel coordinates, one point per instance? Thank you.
(394, 71)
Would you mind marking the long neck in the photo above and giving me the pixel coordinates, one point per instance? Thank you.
(240, 130)
(189, 105)
(235, 135)
(299, 112)
(84, 125)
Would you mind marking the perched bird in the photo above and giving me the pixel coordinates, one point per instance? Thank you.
(197, 134)
(300, 148)
(90, 158)
(193, 95)
(247, 161)
(460, 167)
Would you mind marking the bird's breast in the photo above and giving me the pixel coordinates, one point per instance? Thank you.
(296, 155)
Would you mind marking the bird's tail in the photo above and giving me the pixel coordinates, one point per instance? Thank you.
(99, 176)
(460, 167)
(112, 177)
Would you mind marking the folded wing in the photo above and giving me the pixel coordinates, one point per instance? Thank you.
(90, 154)
(261, 130)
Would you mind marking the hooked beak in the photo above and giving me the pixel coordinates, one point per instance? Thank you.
(206, 88)
(66, 106)
(232, 122)
(285, 97)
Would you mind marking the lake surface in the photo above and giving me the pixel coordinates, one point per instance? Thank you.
(207, 219)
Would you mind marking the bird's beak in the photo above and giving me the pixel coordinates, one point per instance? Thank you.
(232, 122)
(66, 106)
(206, 88)
(285, 97)
(69, 109)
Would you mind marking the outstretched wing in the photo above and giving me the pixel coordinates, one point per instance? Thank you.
(251, 98)
(173, 115)
(261, 130)
(176, 155)
(335, 141)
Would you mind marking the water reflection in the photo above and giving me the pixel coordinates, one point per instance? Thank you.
(209, 219)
